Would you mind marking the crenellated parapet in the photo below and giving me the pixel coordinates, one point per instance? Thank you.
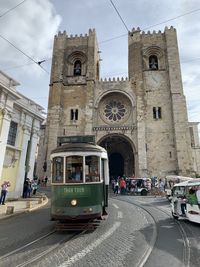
(114, 84)
(113, 80)
(150, 33)
(63, 34)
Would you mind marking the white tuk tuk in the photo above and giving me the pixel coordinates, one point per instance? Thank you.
(171, 180)
(186, 200)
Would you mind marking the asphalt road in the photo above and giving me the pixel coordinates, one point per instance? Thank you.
(139, 231)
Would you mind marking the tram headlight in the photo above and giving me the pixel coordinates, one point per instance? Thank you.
(73, 202)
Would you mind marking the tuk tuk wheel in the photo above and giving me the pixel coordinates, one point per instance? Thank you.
(143, 192)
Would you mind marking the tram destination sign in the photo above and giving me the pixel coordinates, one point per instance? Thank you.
(76, 139)
(76, 190)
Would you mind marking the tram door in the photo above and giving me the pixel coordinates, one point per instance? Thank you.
(116, 165)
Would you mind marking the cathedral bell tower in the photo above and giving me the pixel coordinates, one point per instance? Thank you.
(75, 68)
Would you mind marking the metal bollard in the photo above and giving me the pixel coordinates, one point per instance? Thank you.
(10, 210)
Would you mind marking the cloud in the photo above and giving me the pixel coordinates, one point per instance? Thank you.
(31, 28)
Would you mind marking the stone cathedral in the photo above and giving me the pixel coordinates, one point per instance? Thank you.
(141, 120)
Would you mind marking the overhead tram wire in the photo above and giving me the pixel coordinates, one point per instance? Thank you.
(36, 62)
(153, 25)
(9, 10)
(119, 15)
(26, 64)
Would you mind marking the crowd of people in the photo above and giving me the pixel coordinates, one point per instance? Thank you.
(131, 185)
(30, 187)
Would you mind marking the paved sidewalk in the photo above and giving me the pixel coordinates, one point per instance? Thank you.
(21, 205)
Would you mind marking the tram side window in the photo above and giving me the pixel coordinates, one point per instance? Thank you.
(74, 169)
(103, 169)
(57, 174)
(92, 169)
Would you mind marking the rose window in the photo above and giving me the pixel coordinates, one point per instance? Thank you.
(115, 108)
(114, 111)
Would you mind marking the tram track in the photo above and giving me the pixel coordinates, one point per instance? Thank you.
(31, 246)
(149, 250)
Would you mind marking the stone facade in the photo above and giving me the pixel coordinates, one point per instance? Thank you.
(141, 120)
(20, 119)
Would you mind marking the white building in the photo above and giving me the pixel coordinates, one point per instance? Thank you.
(20, 119)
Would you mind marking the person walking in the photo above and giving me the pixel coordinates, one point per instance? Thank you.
(45, 181)
(4, 191)
(34, 187)
(116, 187)
(122, 185)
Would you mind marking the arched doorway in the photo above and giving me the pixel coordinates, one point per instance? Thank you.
(120, 153)
(116, 165)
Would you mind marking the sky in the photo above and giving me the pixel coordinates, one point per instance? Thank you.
(27, 30)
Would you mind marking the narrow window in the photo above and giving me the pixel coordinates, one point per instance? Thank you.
(74, 114)
(157, 113)
(12, 133)
(97, 70)
(153, 62)
(170, 154)
(154, 113)
(77, 68)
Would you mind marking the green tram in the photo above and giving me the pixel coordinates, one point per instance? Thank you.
(79, 180)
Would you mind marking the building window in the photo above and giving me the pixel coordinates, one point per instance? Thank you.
(74, 115)
(12, 133)
(153, 62)
(77, 68)
(157, 114)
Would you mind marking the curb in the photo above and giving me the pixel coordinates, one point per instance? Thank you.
(26, 210)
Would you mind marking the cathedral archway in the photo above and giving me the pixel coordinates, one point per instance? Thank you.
(120, 153)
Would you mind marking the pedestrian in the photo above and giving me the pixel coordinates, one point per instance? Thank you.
(45, 181)
(25, 189)
(4, 191)
(116, 187)
(29, 189)
(161, 188)
(39, 181)
(122, 185)
(34, 187)
(113, 184)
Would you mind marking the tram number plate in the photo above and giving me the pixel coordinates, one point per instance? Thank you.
(75, 190)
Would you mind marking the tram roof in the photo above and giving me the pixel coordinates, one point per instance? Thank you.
(82, 147)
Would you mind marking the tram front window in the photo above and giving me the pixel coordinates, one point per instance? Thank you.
(74, 169)
(57, 171)
(92, 169)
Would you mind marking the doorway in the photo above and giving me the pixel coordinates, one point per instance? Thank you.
(116, 165)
